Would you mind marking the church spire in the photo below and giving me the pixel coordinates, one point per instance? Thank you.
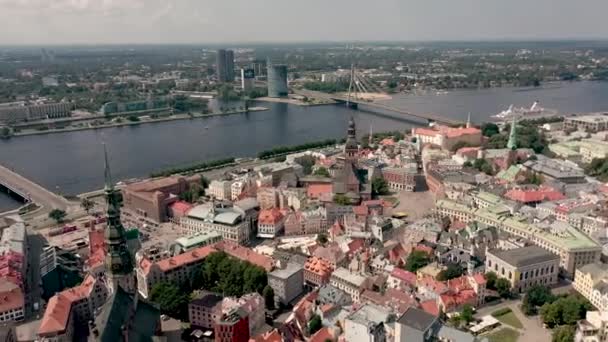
(106, 172)
(512, 144)
(118, 262)
(469, 120)
(351, 148)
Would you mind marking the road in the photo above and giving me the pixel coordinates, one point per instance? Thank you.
(533, 328)
(37, 194)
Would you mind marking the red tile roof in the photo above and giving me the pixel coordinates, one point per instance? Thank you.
(450, 132)
(269, 336)
(322, 335)
(318, 266)
(245, 254)
(57, 313)
(180, 207)
(96, 240)
(11, 298)
(270, 216)
(430, 306)
(317, 190)
(536, 195)
(187, 258)
(405, 276)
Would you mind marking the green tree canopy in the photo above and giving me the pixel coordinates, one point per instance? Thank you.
(417, 260)
(379, 186)
(341, 199)
(503, 287)
(224, 274)
(564, 333)
(322, 172)
(491, 280)
(171, 300)
(86, 204)
(314, 324)
(489, 129)
(453, 271)
(268, 294)
(57, 215)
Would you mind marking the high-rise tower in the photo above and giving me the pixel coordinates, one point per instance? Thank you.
(225, 65)
(118, 262)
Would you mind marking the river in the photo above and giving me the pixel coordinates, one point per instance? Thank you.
(72, 162)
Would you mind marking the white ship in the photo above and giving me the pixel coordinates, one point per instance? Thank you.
(534, 111)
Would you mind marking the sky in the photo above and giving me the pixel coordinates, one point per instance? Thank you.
(237, 21)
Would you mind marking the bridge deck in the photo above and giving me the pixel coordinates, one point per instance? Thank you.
(31, 190)
(426, 116)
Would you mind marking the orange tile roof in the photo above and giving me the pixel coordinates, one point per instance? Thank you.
(269, 336)
(318, 266)
(316, 190)
(96, 240)
(450, 132)
(430, 306)
(184, 259)
(270, 216)
(180, 207)
(245, 254)
(57, 313)
(322, 335)
(11, 299)
(534, 195)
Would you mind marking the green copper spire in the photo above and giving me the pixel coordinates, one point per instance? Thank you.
(118, 259)
(512, 144)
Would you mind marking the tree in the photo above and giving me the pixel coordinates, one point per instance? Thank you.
(5, 133)
(171, 299)
(204, 182)
(87, 204)
(57, 215)
(536, 297)
(379, 186)
(341, 199)
(503, 287)
(489, 129)
(564, 333)
(457, 146)
(322, 172)
(466, 314)
(314, 324)
(322, 238)
(133, 118)
(565, 310)
(268, 294)
(453, 271)
(416, 260)
(491, 280)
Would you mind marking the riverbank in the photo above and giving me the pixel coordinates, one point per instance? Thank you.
(135, 123)
(296, 102)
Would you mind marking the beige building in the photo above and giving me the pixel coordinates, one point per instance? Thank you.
(594, 328)
(592, 122)
(220, 190)
(230, 223)
(591, 281)
(574, 248)
(350, 282)
(524, 267)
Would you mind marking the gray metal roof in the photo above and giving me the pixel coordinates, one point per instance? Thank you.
(525, 256)
(417, 319)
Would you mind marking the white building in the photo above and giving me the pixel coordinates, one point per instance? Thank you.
(228, 222)
(221, 190)
(349, 282)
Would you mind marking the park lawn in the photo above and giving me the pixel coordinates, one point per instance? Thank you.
(503, 335)
(510, 319)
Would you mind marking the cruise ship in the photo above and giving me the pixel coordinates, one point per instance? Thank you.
(535, 111)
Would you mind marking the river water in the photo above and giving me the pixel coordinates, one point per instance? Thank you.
(72, 162)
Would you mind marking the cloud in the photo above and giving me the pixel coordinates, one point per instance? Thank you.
(87, 6)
